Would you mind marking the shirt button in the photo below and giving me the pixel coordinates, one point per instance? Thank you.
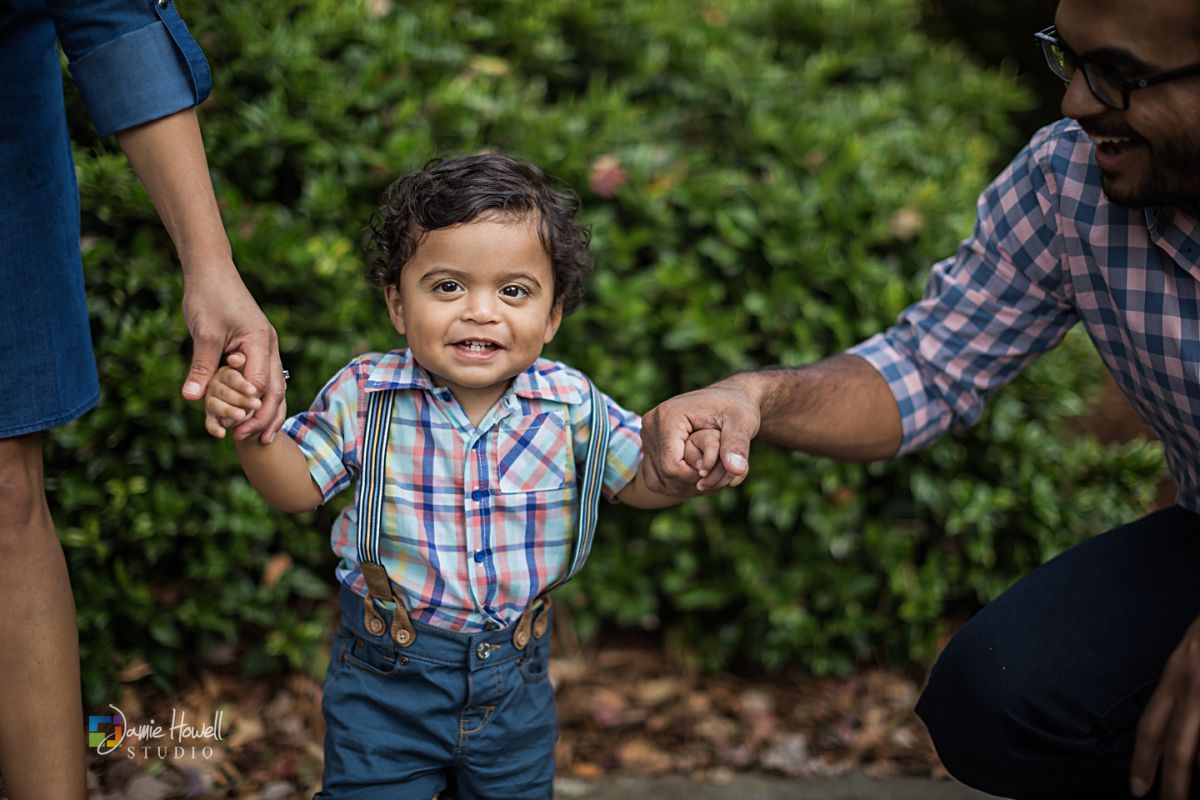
(478, 494)
(491, 626)
(480, 555)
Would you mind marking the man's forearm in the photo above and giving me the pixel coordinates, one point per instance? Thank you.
(839, 408)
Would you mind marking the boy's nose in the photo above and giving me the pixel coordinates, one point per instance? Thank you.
(480, 308)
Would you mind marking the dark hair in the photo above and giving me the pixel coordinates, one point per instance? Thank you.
(459, 190)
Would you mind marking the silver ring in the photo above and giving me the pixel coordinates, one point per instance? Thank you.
(286, 376)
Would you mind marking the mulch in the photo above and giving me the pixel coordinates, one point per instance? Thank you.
(625, 708)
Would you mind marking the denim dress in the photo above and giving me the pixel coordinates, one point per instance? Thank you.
(133, 61)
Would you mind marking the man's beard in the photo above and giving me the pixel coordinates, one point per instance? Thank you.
(1173, 179)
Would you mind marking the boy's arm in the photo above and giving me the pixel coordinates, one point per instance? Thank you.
(637, 495)
(277, 470)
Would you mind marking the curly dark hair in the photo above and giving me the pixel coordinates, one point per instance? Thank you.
(459, 190)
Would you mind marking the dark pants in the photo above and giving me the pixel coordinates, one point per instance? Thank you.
(1039, 695)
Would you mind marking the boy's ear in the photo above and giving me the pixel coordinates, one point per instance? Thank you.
(395, 307)
(553, 321)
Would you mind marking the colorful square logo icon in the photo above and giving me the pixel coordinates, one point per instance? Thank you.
(104, 730)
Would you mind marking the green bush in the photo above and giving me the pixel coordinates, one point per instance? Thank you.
(792, 168)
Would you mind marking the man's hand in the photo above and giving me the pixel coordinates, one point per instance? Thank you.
(730, 409)
(222, 318)
(1170, 726)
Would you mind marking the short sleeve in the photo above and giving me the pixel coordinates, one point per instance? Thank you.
(133, 60)
(327, 432)
(624, 454)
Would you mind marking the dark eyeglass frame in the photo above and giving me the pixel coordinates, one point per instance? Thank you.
(1049, 41)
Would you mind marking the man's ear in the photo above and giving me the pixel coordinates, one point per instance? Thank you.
(395, 307)
(553, 321)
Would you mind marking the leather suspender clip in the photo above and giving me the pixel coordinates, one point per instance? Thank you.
(379, 586)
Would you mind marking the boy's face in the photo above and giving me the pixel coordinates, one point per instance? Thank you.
(476, 302)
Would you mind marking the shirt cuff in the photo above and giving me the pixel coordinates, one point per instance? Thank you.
(144, 75)
(904, 380)
(329, 481)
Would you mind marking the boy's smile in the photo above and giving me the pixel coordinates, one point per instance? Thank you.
(476, 302)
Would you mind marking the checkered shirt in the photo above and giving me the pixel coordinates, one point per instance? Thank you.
(477, 519)
(1049, 250)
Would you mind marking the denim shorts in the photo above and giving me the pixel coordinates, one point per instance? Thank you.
(466, 715)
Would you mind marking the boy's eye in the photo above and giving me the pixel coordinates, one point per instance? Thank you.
(447, 287)
(514, 291)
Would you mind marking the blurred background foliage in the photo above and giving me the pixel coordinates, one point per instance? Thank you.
(767, 181)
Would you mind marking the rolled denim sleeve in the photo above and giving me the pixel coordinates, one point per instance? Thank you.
(133, 60)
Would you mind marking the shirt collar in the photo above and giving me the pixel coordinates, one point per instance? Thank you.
(397, 369)
(548, 380)
(543, 380)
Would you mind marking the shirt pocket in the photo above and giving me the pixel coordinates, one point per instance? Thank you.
(533, 454)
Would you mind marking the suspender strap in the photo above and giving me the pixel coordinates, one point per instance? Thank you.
(591, 483)
(370, 522)
(373, 459)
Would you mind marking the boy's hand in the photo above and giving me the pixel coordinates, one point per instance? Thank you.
(230, 399)
(702, 452)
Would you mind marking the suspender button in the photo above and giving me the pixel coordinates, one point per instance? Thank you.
(375, 626)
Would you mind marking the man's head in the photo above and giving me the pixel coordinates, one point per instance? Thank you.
(1149, 152)
(461, 190)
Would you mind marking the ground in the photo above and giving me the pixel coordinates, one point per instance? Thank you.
(628, 718)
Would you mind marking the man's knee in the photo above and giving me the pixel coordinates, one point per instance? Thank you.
(22, 489)
(977, 710)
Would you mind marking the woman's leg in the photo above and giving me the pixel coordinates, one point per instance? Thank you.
(1039, 695)
(41, 720)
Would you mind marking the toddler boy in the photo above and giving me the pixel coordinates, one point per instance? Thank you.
(478, 466)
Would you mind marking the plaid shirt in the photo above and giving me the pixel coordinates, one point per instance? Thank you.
(478, 520)
(1050, 250)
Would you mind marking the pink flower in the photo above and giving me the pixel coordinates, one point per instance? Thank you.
(607, 176)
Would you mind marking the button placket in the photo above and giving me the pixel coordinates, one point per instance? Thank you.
(475, 523)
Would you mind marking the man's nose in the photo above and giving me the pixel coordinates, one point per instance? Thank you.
(1078, 100)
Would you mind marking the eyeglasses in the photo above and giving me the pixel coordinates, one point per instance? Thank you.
(1109, 86)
